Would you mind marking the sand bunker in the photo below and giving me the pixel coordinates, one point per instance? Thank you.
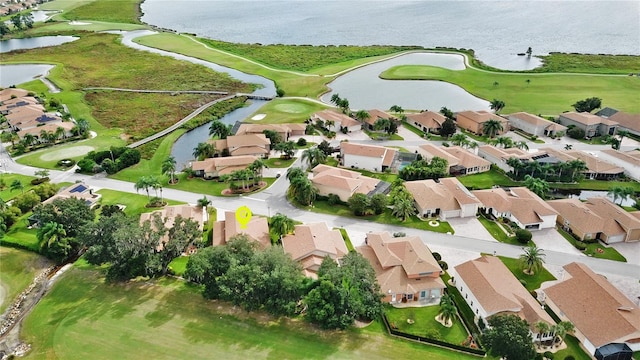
(259, 117)
(78, 23)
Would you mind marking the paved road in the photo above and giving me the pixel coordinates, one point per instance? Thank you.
(273, 200)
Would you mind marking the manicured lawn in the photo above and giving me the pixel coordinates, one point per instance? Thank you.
(388, 177)
(425, 323)
(122, 11)
(17, 270)
(6, 178)
(21, 236)
(347, 239)
(413, 129)
(533, 281)
(592, 249)
(486, 180)
(276, 162)
(207, 187)
(597, 185)
(82, 317)
(135, 204)
(494, 229)
(547, 94)
(573, 349)
(284, 111)
(323, 206)
(179, 265)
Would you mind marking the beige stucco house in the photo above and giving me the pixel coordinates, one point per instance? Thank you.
(311, 243)
(446, 198)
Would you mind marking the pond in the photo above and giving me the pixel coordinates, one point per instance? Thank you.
(21, 73)
(366, 90)
(586, 194)
(34, 42)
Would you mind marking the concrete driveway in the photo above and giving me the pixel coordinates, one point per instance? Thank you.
(470, 227)
(550, 239)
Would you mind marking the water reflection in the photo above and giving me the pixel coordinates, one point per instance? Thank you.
(21, 73)
(34, 42)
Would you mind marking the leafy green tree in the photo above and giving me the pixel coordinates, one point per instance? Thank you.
(280, 225)
(16, 20)
(588, 104)
(459, 139)
(325, 147)
(577, 166)
(379, 203)
(532, 259)
(303, 190)
(4, 29)
(447, 113)
(313, 156)
(492, 127)
(219, 130)
(496, 105)
(53, 241)
(508, 337)
(25, 202)
(273, 136)
(169, 168)
(295, 173)
(204, 150)
(523, 236)
(576, 133)
(42, 173)
(72, 213)
(563, 328)
(45, 190)
(536, 185)
(362, 115)
(403, 208)
(448, 128)
(16, 185)
(359, 204)
(288, 149)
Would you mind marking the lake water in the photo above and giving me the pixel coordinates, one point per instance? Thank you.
(35, 42)
(496, 30)
(365, 90)
(21, 73)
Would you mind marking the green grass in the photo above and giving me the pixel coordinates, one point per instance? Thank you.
(20, 236)
(597, 185)
(425, 323)
(382, 136)
(17, 270)
(286, 111)
(207, 187)
(81, 317)
(5, 193)
(135, 204)
(545, 94)
(322, 206)
(388, 177)
(592, 249)
(486, 180)
(347, 239)
(580, 63)
(121, 11)
(494, 229)
(276, 162)
(533, 281)
(413, 129)
(179, 265)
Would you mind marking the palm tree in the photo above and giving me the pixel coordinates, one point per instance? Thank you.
(522, 145)
(536, 185)
(256, 167)
(491, 127)
(622, 134)
(16, 185)
(343, 104)
(403, 208)
(577, 166)
(169, 168)
(83, 126)
(50, 233)
(313, 156)
(497, 105)
(620, 192)
(561, 166)
(458, 139)
(532, 259)
(204, 201)
(362, 115)
(143, 183)
(562, 329)
(534, 166)
(541, 327)
(281, 224)
(335, 99)
(568, 147)
(396, 109)
(59, 134)
(204, 150)
(295, 173)
(516, 164)
(303, 190)
(448, 309)
(504, 141)
(29, 139)
(217, 128)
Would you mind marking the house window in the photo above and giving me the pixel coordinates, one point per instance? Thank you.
(466, 296)
(476, 311)
(423, 294)
(409, 297)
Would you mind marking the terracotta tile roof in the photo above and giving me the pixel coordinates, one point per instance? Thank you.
(428, 119)
(245, 129)
(257, 229)
(6, 94)
(447, 194)
(466, 158)
(15, 104)
(51, 127)
(503, 153)
(337, 117)
(595, 307)
(531, 119)
(626, 120)
(429, 151)
(481, 116)
(365, 150)
(376, 114)
(338, 178)
(586, 118)
(523, 204)
(247, 140)
(314, 240)
(402, 265)
(594, 164)
(389, 156)
(214, 164)
(632, 156)
(498, 291)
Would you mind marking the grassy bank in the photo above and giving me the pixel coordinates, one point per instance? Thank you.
(590, 64)
(17, 270)
(283, 111)
(121, 11)
(169, 319)
(595, 249)
(547, 94)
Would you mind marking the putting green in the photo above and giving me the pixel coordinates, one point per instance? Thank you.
(66, 153)
(292, 108)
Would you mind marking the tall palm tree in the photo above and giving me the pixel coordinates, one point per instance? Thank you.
(497, 105)
(362, 115)
(396, 109)
(50, 233)
(59, 133)
(458, 139)
(29, 139)
(534, 167)
(491, 127)
(562, 329)
(219, 129)
(204, 201)
(516, 164)
(303, 190)
(335, 99)
(313, 156)
(143, 183)
(577, 166)
(83, 126)
(536, 185)
(280, 224)
(204, 150)
(256, 167)
(448, 309)
(561, 166)
(522, 145)
(294, 173)
(542, 327)
(403, 208)
(169, 168)
(532, 259)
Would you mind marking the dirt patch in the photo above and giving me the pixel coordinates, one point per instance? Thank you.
(66, 153)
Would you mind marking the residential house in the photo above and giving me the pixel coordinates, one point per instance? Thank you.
(215, 167)
(345, 183)
(250, 144)
(474, 121)
(37, 132)
(374, 115)
(427, 121)
(601, 314)
(593, 125)
(78, 191)
(13, 104)
(369, 157)
(626, 121)
(169, 215)
(446, 198)
(311, 243)
(257, 229)
(428, 151)
(339, 120)
(490, 288)
(284, 130)
(535, 125)
(405, 268)
(519, 205)
(628, 160)
(467, 162)
(597, 169)
(12, 93)
(499, 156)
(597, 219)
